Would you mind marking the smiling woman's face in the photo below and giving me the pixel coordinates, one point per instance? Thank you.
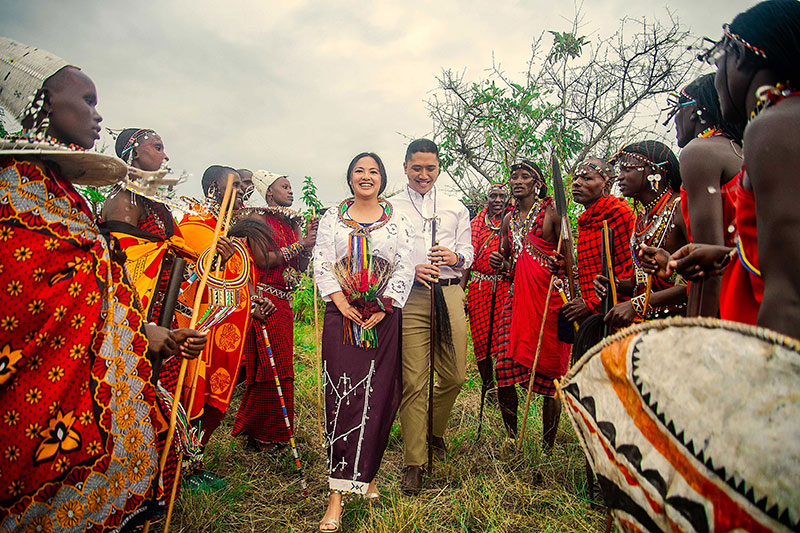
(365, 179)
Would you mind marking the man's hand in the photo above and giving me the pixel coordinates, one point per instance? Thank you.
(190, 342)
(496, 260)
(426, 273)
(225, 248)
(621, 315)
(556, 264)
(261, 308)
(699, 261)
(654, 260)
(601, 284)
(576, 310)
(441, 256)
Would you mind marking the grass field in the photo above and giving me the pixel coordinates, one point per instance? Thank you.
(481, 486)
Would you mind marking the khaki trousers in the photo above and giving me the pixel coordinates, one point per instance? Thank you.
(416, 367)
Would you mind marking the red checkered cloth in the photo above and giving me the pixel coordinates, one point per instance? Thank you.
(620, 219)
(508, 372)
(479, 295)
(260, 414)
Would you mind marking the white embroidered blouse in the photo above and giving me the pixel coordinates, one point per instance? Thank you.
(392, 241)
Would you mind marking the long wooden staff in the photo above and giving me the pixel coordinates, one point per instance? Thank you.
(434, 242)
(538, 349)
(607, 232)
(173, 416)
(647, 292)
(227, 209)
(318, 342)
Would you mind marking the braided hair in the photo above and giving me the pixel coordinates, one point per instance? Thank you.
(773, 27)
(658, 156)
(703, 92)
(257, 234)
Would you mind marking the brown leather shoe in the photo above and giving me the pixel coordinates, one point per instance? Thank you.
(412, 480)
(439, 448)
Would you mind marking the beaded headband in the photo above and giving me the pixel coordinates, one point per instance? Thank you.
(641, 158)
(132, 142)
(598, 168)
(756, 50)
(499, 186)
(526, 166)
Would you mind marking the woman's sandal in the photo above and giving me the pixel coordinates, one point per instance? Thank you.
(335, 523)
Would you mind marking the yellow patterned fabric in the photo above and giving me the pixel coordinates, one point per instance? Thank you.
(77, 445)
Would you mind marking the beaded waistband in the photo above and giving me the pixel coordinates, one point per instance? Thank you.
(262, 288)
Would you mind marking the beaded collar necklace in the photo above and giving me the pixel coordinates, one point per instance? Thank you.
(488, 221)
(345, 218)
(713, 131)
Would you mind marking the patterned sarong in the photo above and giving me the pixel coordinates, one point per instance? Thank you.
(79, 447)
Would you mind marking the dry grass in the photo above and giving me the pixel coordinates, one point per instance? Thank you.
(479, 487)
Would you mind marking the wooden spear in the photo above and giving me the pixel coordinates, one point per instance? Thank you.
(173, 416)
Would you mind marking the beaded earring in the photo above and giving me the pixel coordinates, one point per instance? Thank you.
(654, 179)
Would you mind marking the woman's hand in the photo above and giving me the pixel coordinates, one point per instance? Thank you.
(225, 248)
(159, 341)
(699, 261)
(190, 342)
(373, 320)
(310, 239)
(621, 315)
(261, 308)
(347, 310)
(654, 260)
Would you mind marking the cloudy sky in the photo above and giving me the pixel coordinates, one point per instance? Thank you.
(299, 87)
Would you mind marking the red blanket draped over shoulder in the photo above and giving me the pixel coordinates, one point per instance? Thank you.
(620, 219)
(219, 364)
(531, 282)
(79, 447)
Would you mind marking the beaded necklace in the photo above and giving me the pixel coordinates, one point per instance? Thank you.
(713, 131)
(652, 228)
(488, 222)
(767, 96)
(520, 230)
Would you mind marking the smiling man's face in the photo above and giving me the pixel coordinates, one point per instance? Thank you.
(422, 169)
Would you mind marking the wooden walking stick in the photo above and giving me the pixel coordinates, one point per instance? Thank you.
(318, 342)
(538, 351)
(432, 351)
(227, 209)
(173, 416)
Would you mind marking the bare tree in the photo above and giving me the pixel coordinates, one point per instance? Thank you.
(582, 97)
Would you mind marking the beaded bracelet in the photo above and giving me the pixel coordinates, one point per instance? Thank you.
(638, 305)
(291, 251)
(460, 260)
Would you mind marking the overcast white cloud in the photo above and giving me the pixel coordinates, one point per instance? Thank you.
(297, 86)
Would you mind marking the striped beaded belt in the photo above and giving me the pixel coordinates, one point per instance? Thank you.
(262, 288)
(480, 276)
